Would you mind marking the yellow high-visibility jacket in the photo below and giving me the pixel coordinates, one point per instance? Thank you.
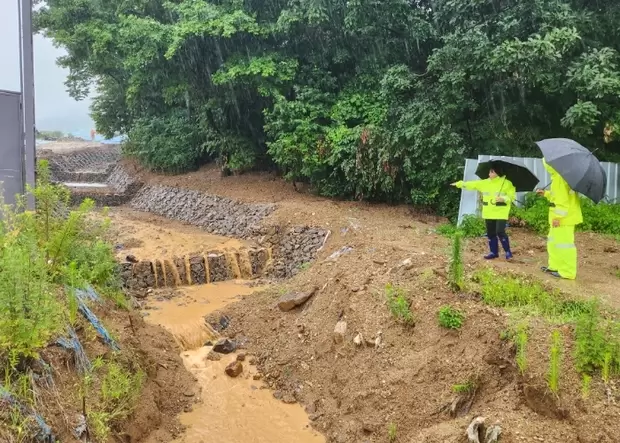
(565, 203)
(491, 188)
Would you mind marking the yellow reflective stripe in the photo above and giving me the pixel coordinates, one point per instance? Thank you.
(565, 245)
(561, 212)
(486, 193)
(549, 239)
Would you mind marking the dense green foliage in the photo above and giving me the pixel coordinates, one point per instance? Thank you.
(363, 99)
(603, 218)
(42, 253)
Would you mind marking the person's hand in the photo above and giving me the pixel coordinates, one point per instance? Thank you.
(540, 192)
(453, 184)
(556, 223)
(500, 199)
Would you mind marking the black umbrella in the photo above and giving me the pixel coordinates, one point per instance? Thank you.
(521, 177)
(577, 165)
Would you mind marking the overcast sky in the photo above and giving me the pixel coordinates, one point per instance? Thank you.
(55, 110)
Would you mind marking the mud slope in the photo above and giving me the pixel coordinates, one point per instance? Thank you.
(405, 382)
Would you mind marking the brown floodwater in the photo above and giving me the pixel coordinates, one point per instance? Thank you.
(232, 410)
(154, 237)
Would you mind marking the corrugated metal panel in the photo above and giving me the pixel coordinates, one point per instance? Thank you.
(469, 199)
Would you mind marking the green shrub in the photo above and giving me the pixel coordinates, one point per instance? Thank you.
(471, 227)
(603, 218)
(398, 304)
(456, 274)
(168, 144)
(40, 253)
(594, 342)
(450, 317)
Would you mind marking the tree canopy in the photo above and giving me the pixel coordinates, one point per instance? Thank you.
(372, 99)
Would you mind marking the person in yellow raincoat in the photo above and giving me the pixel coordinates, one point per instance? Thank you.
(564, 215)
(498, 193)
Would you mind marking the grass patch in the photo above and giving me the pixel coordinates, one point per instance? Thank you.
(392, 432)
(398, 304)
(530, 297)
(471, 227)
(467, 387)
(118, 393)
(450, 317)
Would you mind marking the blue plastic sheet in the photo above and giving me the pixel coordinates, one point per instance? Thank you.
(90, 294)
(44, 432)
(73, 343)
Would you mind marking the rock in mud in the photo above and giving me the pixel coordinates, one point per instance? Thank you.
(294, 299)
(339, 331)
(474, 429)
(213, 356)
(234, 369)
(492, 434)
(241, 356)
(225, 346)
(358, 340)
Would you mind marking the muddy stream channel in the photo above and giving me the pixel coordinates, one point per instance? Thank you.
(235, 410)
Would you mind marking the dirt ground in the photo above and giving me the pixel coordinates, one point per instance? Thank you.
(401, 377)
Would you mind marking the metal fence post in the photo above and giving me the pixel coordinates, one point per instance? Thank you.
(27, 81)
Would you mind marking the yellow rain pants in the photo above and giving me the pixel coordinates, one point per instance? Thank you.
(562, 251)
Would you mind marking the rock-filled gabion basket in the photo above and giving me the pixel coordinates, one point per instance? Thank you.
(195, 269)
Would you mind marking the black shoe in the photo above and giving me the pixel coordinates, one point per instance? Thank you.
(547, 270)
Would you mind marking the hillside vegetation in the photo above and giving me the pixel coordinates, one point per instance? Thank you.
(379, 100)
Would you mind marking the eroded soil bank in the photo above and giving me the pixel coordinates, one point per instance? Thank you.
(375, 380)
(241, 408)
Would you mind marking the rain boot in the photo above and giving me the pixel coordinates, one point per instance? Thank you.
(494, 248)
(506, 245)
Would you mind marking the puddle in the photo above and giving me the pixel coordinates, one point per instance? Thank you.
(161, 238)
(234, 410)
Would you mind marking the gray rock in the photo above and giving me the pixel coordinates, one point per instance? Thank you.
(289, 301)
(225, 346)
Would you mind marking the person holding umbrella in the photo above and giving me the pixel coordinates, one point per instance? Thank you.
(498, 193)
(573, 169)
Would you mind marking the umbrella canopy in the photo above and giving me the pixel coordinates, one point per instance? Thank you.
(577, 165)
(521, 177)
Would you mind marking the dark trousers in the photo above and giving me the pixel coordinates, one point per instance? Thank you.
(496, 228)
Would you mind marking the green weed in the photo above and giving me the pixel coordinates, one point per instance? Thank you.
(464, 388)
(586, 381)
(590, 342)
(555, 362)
(398, 304)
(471, 227)
(456, 273)
(117, 396)
(392, 432)
(450, 317)
(606, 370)
(521, 340)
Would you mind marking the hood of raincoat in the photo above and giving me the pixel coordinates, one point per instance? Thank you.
(552, 172)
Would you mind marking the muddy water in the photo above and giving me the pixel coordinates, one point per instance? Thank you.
(150, 237)
(232, 410)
